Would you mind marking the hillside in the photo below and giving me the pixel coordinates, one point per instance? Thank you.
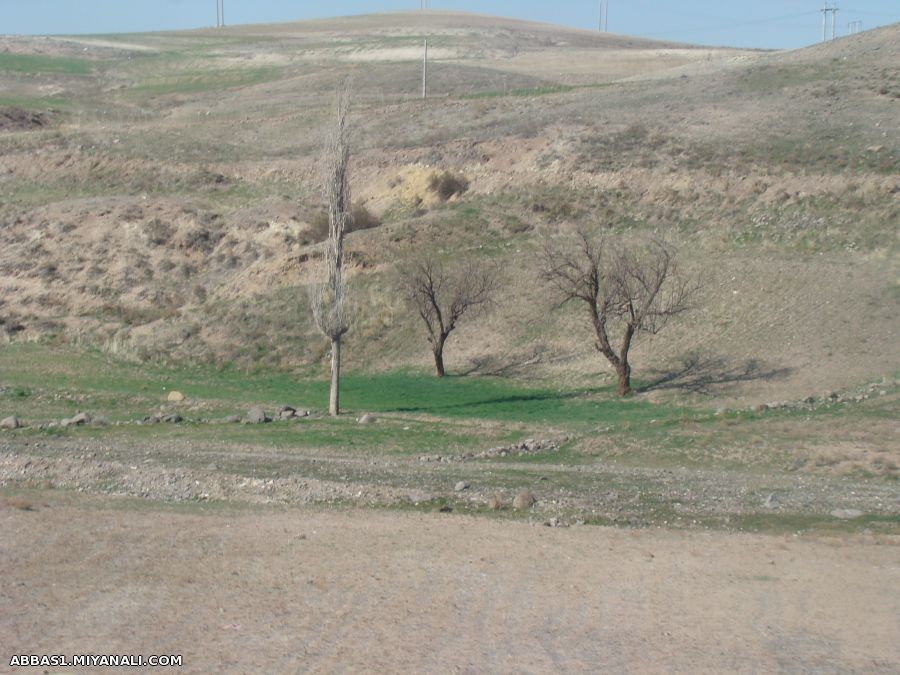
(160, 198)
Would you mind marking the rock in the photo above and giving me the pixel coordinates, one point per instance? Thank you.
(151, 419)
(175, 397)
(847, 514)
(172, 419)
(460, 486)
(809, 400)
(287, 414)
(771, 502)
(80, 418)
(496, 502)
(368, 418)
(761, 408)
(11, 422)
(524, 500)
(232, 419)
(721, 411)
(287, 409)
(256, 416)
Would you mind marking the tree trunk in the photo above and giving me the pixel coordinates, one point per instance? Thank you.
(623, 370)
(334, 400)
(439, 359)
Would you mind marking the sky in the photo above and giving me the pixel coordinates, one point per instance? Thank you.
(769, 24)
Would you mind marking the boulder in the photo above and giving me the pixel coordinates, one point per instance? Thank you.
(11, 422)
(524, 500)
(175, 397)
(461, 485)
(256, 416)
(847, 514)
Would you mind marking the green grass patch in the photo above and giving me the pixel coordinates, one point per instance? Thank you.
(90, 374)
(546, 90)
(199, 81)
(35, 63)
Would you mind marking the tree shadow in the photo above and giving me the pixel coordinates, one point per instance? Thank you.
(711, 375)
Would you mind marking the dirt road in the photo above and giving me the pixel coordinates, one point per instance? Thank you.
(306, 590)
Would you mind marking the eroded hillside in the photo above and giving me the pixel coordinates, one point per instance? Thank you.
(160, 192)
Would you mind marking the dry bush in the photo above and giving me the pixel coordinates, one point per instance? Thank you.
(157, 232)
(360, 218)
(20, 503)
(447, 185)
(202, 239)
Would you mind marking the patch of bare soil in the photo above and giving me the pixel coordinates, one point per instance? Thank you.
(313, 591)
(16, 119)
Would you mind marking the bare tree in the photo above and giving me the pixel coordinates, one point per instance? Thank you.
(328, 295)
(443, 297)
(637, 288)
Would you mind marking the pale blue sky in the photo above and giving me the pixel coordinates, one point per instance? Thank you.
(763, 23)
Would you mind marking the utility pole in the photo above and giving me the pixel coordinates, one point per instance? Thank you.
(425, 72)
(222, 2)
(834, 10)
(854, 27)
(604, 16)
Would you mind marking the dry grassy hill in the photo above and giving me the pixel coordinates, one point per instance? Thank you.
(160, 200)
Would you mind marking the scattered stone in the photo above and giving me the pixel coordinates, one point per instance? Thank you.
(721, 411)
(11, 422)
(809, 400)
(175, 397)
(847, 514)
(368, 418)
(151, 419)
(496, 502)
(761, 408)
(287, 413)
(524, 500)
(460, 486)
(256, 416)
(172, 419)
(446, 509)
(80, 418)
(555, 522)
(233, 419)
(771, 502)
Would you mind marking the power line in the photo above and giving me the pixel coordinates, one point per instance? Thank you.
(731, 25)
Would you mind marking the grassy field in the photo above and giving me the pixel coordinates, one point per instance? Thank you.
(612, 461)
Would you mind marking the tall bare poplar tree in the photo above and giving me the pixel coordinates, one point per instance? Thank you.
(328, 295)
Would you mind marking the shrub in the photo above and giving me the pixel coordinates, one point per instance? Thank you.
(157, 232)
(362, 219)
(446, 184)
